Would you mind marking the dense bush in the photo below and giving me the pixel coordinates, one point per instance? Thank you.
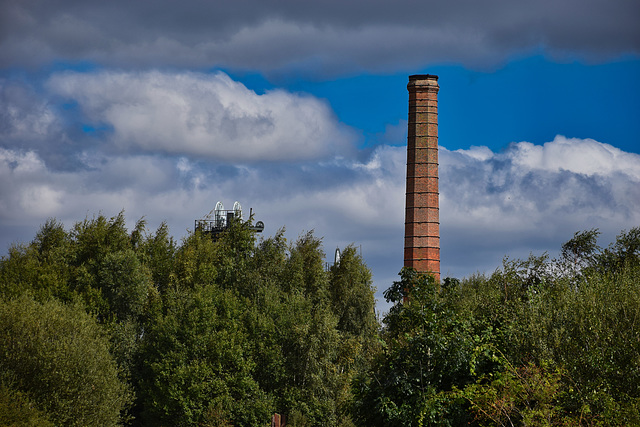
(56, 358)
(102, 326)
(206, 332)
(539, 342)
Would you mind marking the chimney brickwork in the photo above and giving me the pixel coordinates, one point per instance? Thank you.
(422, 217)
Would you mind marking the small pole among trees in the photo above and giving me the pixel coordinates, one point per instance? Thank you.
(277, 420)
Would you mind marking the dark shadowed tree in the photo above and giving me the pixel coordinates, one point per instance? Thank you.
(58, 357)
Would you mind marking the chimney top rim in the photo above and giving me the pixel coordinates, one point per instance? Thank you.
(423, 77)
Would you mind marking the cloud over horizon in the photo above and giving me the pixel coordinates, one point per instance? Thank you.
(298, 110)
(524, 198)
(168, 145)
(533, 197)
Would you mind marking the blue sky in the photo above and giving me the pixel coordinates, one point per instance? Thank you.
(298, 110)
(527, 99)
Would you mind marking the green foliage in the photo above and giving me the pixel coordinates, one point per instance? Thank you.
(124, 283)
(428, 350)
(95, 238)
(223, 332)
(157, 252)
(540, 342)
(624, 251)
(592, 332)
(305, 269)
(42, 267)
(351, 294)
(228, 332)
(581, 250)
(526, 395)
(17, 410)
(58, 357)
(196, 366)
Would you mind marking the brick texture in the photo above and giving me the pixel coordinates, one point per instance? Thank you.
(422, 212)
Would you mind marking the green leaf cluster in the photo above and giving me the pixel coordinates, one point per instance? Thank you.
(55, 365)
(539, 342)
(205, 332)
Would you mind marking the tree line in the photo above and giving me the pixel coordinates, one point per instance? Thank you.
(540, 342)
(103, 326)
(100, 326)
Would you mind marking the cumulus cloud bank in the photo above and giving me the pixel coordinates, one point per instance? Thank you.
(168, 145)
(524, 198)
(133, 130)
(206, 115)
(530, 197)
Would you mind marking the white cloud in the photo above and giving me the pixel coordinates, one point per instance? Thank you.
(205, 115)
(587, 157)
(24, 117)
(25, 193)
(492, 204)
(532, 198)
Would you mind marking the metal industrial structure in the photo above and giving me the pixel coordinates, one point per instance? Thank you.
(219, 219)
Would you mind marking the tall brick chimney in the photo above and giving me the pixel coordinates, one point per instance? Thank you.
(422, 218)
